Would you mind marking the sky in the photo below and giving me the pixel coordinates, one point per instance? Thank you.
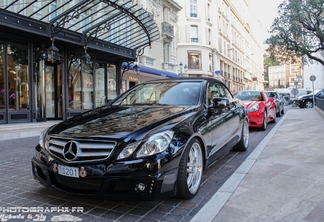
(266, 11)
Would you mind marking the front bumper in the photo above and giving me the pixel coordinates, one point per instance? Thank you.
(255, 119)
(142, 179)
(300, 103)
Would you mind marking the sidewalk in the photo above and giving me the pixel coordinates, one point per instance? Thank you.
(281, 180)
(21, 130)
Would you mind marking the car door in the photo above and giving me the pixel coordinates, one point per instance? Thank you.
(224, 121)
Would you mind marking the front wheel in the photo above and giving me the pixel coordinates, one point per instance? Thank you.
(265, 121)
(190, 170)
(278, 113)
(309, 104)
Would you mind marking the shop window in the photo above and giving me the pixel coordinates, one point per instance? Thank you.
(74, 84)
(111, 81)
(87, 86)
(18, 93)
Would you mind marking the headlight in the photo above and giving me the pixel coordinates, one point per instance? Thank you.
(128, 150)
(42, 138)
(254, 108)
(155, 144)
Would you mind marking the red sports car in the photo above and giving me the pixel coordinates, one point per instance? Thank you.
(261, 108)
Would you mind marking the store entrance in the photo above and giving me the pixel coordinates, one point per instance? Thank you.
(49, 92)
(53, 91)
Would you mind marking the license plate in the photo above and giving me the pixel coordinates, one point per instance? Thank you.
(68, 171)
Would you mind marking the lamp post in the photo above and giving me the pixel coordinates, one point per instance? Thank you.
(183, 68)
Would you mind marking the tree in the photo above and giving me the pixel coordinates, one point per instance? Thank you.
(298, 31)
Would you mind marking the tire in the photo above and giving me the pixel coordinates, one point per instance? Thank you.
(283, 111)
(308, 104)
(278, 114)
(265, 121)
(244, 141)
(274, 118)
(190, 170)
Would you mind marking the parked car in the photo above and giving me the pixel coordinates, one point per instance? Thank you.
(279, 101)
(286, 98)
(306, 101)
(261, 109)
(153, 141)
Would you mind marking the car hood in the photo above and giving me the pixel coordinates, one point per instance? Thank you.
(120, 121)
(304, 97)
(249, 104)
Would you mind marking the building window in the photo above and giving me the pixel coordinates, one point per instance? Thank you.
(193, 8)
(208, 12)
(194, 60)
(208, 37)
(211, 62)
(194, 33)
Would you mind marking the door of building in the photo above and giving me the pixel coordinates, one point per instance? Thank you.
(49, 92)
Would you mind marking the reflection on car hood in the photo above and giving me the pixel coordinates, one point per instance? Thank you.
(117, 122)
(249, 103)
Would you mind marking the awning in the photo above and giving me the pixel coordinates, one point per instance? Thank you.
(153, 71)
(117, 26)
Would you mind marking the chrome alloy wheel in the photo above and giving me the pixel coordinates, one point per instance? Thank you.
(194, 167)
(309, 104)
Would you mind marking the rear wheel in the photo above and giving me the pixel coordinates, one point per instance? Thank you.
(244, 141)
(190, 170)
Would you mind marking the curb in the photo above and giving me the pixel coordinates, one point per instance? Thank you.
(321, 112)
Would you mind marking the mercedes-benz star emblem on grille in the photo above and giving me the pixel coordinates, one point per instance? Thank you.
(70, 150)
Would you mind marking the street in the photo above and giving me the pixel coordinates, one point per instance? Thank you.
(22, 195)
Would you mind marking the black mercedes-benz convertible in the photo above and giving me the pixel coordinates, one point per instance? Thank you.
(153, 141)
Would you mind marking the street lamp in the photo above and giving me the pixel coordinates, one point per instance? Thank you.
(185, 67)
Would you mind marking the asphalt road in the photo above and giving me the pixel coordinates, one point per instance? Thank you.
(19, 189)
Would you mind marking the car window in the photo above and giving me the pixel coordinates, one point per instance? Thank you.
(272, 94)
(168, 93)
(216, 89)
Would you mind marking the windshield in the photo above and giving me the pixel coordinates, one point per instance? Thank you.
(272, 94)
(249, 96)
(315, 92)
(165, 93)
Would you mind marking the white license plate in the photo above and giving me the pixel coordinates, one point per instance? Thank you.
(68, 171)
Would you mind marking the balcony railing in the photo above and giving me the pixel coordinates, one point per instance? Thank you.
(167, 29)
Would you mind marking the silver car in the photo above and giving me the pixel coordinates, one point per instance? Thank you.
(279, 100)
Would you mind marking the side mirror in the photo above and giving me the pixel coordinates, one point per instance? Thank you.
(220, 102)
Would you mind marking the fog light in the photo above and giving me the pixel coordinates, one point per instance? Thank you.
(140, 187)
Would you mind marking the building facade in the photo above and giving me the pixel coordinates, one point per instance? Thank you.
(316, 70)
(219, 38)
(286, 76)
(160, 59)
